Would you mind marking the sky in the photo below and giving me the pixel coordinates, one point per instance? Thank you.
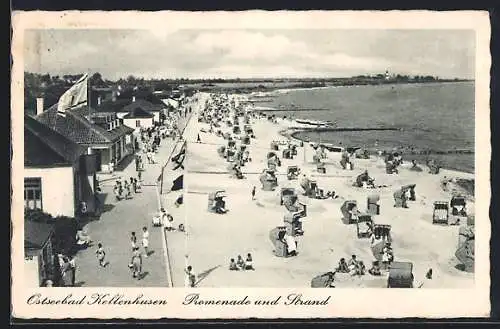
(250, 53)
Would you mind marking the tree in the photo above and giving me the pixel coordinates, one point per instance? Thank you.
(96, 79)
(46, 79)
(131, 80)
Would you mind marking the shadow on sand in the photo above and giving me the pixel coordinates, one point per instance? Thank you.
(204, 274)
(143, 275)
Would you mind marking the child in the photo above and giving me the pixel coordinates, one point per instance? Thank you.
(137, 184)
(249, 262)
(133, 240)
(145, 240)
(101, 255)
(240, 263)
(342, 268)
(233, 266)
(190, 277)
(167, 220)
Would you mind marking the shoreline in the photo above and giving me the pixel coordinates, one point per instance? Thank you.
(290, 133)
(284, 90)
(452, 157)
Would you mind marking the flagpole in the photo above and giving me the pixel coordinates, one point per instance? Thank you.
(89, 92)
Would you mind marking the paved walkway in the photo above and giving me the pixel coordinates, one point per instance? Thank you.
(119, 219)
(177, 241)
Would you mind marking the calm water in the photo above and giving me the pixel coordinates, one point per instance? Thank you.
(432, 116)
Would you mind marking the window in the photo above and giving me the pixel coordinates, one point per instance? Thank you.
(137, 123)
(33, 193)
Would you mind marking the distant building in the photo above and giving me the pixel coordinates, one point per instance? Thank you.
(171, 103)
(387, 75)
(123, 106)
(139, 118)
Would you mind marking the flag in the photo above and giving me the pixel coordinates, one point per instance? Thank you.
(179, 157)
(178, 183)
(74, 96)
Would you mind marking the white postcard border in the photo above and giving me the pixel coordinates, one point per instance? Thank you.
(355, 303)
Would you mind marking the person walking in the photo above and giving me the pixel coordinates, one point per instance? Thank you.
(133, 240)
(66, 273)
(253, 193)
(145, 241)
(190, 279)
(101, 255)
(72, 264)
(136, 263)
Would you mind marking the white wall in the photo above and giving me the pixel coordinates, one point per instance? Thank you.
(156, 116)
(145, 123)
(32, 272)
(58, 195)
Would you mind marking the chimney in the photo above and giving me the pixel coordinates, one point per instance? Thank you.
(39, 105)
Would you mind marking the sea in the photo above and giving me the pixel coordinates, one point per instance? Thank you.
(432, 116)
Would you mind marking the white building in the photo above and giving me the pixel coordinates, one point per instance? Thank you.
(139, 118)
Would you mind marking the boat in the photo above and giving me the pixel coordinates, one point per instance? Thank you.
(315, 123)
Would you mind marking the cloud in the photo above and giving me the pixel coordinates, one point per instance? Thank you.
(173, 53)
(276, 54)
(243, 45)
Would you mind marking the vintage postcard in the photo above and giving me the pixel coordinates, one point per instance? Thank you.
(190, 165)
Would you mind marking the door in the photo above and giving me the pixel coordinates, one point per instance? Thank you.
(98, 159)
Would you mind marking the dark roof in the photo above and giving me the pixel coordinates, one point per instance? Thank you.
(151, 104)
(138, 113)
(144, 94)
(45, 147)
(77, 128)
(145, 105)
(37, 153)
(113, 106)
(36, 234)
(153, 99)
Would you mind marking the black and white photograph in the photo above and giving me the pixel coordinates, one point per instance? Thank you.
(288, 156)
(103, 162)
(350, 163)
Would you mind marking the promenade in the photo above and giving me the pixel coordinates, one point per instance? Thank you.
(120, 218)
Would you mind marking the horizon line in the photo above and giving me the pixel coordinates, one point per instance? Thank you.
(259, 78)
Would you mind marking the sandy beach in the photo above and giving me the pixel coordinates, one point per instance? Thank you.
(212, 239)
